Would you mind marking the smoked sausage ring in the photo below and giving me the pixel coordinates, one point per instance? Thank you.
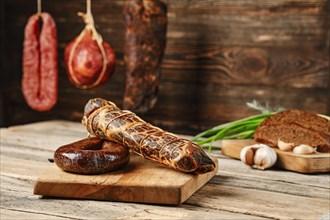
(91, 156)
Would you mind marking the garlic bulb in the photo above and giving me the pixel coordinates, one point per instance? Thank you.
(304, 149)
(258, 156)
(285, 146)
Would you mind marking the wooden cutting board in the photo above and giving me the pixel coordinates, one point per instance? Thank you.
(141, 181)
(312, 163)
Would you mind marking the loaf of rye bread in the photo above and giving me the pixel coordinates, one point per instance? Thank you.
(295, 126)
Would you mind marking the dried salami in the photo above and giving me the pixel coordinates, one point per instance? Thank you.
(145, 40)
(40, 70)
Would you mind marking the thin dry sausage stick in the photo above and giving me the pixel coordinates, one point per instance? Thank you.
(40, 70)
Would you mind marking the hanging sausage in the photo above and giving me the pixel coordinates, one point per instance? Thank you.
(40, 71)
(89, 60)
(145, 40)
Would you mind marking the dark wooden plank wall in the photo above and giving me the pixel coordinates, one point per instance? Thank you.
(220, 54)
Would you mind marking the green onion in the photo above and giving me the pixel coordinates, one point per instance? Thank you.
(239, 129)
(232, 127)
(211, 147)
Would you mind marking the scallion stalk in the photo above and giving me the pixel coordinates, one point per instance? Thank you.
(239, 129)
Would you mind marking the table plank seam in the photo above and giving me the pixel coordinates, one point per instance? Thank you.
(26, 211)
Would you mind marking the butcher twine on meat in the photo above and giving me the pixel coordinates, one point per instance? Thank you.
(104, 119)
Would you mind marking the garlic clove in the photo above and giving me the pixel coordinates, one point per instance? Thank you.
(304, 149)
(285, 146)
(247, 156)
(265, 157)
(258, 156)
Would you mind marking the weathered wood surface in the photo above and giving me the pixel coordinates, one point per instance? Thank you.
(311, 163)
(220, 54)
(236, 192)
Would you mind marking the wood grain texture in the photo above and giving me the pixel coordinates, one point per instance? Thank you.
(236, 192)
(220, 54)
(141, 181)
(311, 163)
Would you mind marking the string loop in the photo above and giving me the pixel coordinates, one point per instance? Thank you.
(39, 7)
(89, 21)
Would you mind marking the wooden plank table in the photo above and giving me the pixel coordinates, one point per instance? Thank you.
(236, 192)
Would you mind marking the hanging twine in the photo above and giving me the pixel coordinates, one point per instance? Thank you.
(39, 7)
(89, 21)
(88, 16)
(88, 7)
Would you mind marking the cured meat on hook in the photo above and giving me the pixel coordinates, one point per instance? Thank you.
(145, 40)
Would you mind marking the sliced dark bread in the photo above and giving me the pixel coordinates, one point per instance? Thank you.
(303, 118)
(295, 126)
(292, 133)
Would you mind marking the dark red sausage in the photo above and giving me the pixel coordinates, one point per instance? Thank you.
(91, 156)
(40, 71)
